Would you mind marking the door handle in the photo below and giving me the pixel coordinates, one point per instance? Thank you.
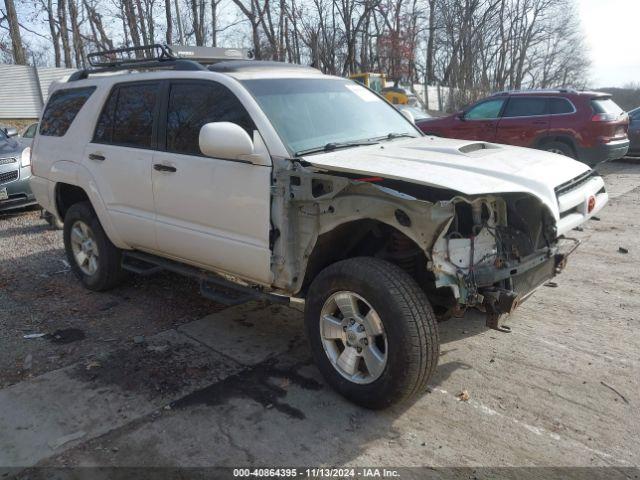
(163, 168)
(97, 157)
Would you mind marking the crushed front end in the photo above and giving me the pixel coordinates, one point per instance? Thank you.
(497, 250)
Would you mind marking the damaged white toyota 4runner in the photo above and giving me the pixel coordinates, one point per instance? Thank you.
(273, 181)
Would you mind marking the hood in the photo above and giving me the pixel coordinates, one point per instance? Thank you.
(10, 147)
(471, 168)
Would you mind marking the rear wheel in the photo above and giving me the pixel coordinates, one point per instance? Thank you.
(372, 331)
(559, 148)
(92, 256)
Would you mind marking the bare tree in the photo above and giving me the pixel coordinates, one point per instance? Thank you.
(10, 14)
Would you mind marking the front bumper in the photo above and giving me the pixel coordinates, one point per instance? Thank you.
(18, 189)
(523, 281)
(603, 152)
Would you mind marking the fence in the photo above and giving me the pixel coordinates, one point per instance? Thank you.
(24, 89)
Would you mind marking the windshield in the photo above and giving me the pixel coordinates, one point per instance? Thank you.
(309, 113)
(3, 136)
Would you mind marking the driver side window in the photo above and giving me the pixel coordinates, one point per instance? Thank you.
(486, 110)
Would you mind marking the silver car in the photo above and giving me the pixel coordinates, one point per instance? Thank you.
(15, 170)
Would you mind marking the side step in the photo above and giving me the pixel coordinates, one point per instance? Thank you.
(212, 286)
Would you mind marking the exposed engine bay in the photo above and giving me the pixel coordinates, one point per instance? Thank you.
(484, 251)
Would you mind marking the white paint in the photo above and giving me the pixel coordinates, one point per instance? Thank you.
(443, 163)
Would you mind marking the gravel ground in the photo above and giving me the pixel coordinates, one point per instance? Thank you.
(39, 294)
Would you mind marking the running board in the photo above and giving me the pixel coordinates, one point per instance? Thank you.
(212, 286)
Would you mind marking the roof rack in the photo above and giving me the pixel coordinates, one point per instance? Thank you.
(134, 58)
(156, 56)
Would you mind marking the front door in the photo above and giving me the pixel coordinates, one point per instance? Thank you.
(211, 212)
(119, 159)
(479, 122)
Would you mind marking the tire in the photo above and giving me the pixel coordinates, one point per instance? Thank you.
(105, 271)
(411, 344)
(559, 148)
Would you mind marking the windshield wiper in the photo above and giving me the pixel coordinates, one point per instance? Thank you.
(391, 136)
(334, 146)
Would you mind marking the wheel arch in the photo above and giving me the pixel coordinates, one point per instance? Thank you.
(78, 185)
(366, 237)
(550, 138)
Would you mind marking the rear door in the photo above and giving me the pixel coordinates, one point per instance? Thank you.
(524, 120)
(119, 159)
(212, 212)
(480, 121)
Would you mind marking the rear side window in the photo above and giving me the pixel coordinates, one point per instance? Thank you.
(560, 105)
(525, 107)
(62, 108)
(606, 105)
(193, 104)
(127, 117)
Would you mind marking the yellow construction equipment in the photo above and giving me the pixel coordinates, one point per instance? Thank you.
(397, 95)
(374, 81)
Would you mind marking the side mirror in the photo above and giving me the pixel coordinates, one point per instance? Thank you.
(460, 115)
(225, 140)
(11, 131)
(408, 115)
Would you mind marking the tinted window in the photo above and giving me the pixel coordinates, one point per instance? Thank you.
(525, 107)
(485, 110)
(3, 136)
(62, 108)
(560, 105)
(127, 117)
(191, 105)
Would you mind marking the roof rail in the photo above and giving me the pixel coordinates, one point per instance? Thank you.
(134, 58)
(535, 90)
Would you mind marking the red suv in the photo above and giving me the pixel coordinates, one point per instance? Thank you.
(587, 126)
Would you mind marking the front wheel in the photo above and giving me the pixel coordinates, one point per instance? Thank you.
(372, 331)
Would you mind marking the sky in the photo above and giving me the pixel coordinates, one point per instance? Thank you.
(612, 31)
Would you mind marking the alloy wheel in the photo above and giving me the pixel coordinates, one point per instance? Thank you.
(84, 247)
(353, 337)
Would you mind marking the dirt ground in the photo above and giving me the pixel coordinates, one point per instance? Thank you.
(152, 374)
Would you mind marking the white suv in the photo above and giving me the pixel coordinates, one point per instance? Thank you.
(276, 181)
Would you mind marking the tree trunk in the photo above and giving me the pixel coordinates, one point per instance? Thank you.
(19, 55)
(64, 33)
(55, 35)
(167, 11)
(214, 23)
(179, 22)
(78, 45)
